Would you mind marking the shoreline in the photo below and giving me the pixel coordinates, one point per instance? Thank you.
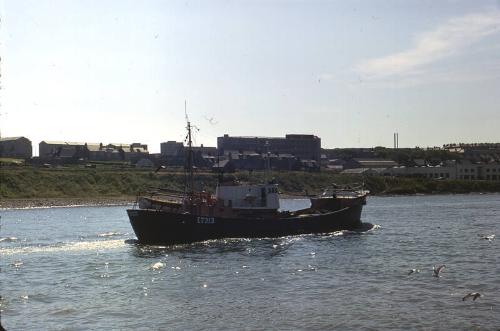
(32, 203)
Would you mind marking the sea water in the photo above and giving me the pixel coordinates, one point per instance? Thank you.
(80, 268)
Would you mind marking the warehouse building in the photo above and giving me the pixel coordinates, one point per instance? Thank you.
(16, 147)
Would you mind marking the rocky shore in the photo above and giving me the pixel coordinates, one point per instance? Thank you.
(64, 202)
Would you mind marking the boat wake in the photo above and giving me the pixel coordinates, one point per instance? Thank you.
(65, 247)
(239, 244)
(103, 236)
(368, 227)
(364, 229)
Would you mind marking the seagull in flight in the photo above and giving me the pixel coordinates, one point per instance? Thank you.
(211, 120)
(473, 295)
(160, 168)
(437, 271)
(489, 237)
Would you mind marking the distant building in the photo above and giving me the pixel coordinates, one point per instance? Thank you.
(16, 147)
(303, 146)
(369, 163)
(361, 171)
(348, 153)
(226, 166)
(171, 148)
(431, 172)
(204, 150)
(469, 170)
(463, 170)
(59, 149)
(144, 163)
(139, 148)
(128, 152)
(484, 152)
(96, 151)
(92, 151)
(174, 153)
(489, 171)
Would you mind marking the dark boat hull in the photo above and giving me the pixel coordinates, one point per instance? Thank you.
(334, 203)
(167, 228)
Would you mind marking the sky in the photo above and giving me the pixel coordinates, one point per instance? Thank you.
(350, 72)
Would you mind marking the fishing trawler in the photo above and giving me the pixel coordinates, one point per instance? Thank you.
(236, 210)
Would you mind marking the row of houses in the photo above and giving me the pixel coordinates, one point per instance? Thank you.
(21, 147)
(464, 170)
(92, 151)
(452, 169)
(259, 153)
(172, 153)
(481, 152)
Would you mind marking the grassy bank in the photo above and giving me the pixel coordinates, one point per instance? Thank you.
(31, 183)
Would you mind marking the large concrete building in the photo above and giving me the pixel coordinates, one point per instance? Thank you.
(16, 147)
(303, 146)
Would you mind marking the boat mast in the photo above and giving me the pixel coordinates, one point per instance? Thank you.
(268, 161)
(190, 188)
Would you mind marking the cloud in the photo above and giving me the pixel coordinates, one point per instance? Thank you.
(446, 40)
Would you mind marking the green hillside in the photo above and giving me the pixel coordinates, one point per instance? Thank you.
(27, 182)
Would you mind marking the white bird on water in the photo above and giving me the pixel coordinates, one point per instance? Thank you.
(437, 271)
(473, 295)
(157, 265)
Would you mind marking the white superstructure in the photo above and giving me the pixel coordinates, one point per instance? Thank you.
(260, 196)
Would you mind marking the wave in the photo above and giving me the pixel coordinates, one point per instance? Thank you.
(109, 234)
(103, 235)
(341, 233)
(365, 229)
(66, 247)
(371, 227)
(17, 264)
(8, 239)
